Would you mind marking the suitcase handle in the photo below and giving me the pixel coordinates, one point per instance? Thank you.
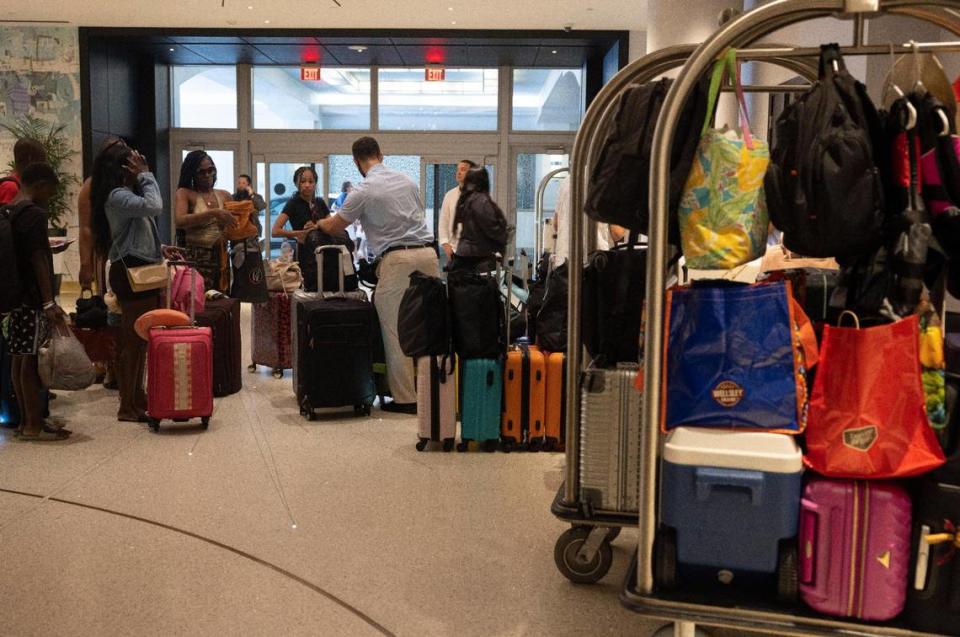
(711, 479)
(810, 524)
(319, 252)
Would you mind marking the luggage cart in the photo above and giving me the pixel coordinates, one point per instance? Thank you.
(538, 210)
(640, 592)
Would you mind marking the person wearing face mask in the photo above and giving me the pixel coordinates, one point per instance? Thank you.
(304, 210)
(389, 206)
(198, 210)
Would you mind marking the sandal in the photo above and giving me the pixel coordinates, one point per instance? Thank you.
(44, 436)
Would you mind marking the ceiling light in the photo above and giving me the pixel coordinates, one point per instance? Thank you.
(171, 50)
(266, 22)
(359, 48)
(554, 51)
(250, 7)
(449, 8)
(453, 22)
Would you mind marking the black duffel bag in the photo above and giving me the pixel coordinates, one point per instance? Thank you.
(614, 283)
(424, 323)
(476, 311)
(91, 311)
(552, 315)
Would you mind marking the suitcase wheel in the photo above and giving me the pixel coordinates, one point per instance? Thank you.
(463, 445)
(278, 373)
(252, 367)
(787, 572)
(489, 446)
(549, 444)
(535, 445)
(361, 410)
(448, 444)
(665, 559)
(422, 444)
(507, 445)
(205, 422)
(575, 568)
(154, 425)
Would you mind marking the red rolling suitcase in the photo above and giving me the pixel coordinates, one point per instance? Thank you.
(179, 373)
(272, 341)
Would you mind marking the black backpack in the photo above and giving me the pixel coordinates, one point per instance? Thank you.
(331, 262)
(823, 187)
(614, 285)
(618, 192)
(424, 323)
(552, 316)
(476, 310)
(10, 287)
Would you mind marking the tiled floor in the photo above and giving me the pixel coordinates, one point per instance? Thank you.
(269, 524)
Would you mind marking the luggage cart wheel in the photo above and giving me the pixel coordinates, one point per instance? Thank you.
(665, 559)
(463, 445)
(422, 444)
(577, 569)
(252, 367)
(205, 422)
(448, 444)
(787, 572)
(278, 373)
(154, 425)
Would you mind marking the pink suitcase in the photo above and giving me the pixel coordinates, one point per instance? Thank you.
(272, 342)
(180, 373)
(436, 401)
(855, 548)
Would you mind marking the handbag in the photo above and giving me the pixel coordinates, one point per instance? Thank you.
(91, 310)
(249, 279)
(63, 363)
(242, 211)
(867, 408)
(737, 357)
(144, 278)
(723, 212)
(283, 276)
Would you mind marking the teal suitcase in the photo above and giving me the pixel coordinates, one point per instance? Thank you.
(482, 381)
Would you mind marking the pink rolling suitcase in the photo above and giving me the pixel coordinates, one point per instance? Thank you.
(855, 547)
(180, 372)
(436, 401)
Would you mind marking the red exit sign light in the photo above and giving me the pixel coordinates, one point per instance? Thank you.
(435, 74)
(310, 73)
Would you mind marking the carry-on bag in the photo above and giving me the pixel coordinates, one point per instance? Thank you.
(555, 413)
(222, 316)
(436, 401)
(249, 277)
(180, 371)
(610, 439)
(614, 284)
(334, 344)
(855, 547)
(933, 594)
(270, 331)
(867, 409)
(723, 212)
(100, 343)
(524, 391)
(476, 311)
(424, 323)
(737, 357)
(308, 255)
(480, 409)
(551, 318)
(731, 500)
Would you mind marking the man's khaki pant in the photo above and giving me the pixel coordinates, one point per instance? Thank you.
(394, 278)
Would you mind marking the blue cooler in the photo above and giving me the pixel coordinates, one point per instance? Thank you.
(731, 497)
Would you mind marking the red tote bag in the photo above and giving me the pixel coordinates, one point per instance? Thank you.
(867, 412)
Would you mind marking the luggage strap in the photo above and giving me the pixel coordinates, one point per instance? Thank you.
(435, 371)
(952, 536)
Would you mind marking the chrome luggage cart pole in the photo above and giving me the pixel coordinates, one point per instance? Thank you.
(639, 591)
(538, 209)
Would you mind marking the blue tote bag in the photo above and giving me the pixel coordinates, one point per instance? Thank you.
(737, 358)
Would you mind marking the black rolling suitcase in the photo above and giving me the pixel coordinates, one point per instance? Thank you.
(933, 594)
(335, 336)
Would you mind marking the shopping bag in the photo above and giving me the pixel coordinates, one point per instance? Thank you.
(867, 412)
(63, 363)
(723, 212)
(737, 357)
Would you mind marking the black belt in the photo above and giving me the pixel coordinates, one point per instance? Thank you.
(417, 246)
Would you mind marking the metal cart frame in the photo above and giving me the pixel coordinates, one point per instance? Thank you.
(639, 592)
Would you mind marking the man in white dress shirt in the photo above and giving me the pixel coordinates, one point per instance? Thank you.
(448, 210)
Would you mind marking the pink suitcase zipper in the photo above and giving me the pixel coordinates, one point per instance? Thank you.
(855, 548)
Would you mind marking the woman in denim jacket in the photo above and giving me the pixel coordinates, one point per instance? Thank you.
(126, 203)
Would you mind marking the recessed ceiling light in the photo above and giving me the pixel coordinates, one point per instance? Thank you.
(171, 50)
(266, 22)
(449, 8)
(554, 51)
(250, 7)
(358, 48)
(453, 22)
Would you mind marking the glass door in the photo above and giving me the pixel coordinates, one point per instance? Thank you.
(278, 189)
(531, 168)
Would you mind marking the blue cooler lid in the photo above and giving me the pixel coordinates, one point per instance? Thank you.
(747, 450)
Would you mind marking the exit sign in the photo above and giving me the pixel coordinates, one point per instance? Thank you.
(435, 74)
(310, 73)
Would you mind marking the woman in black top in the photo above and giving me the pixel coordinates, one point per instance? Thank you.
(302, 211)
(482, 225)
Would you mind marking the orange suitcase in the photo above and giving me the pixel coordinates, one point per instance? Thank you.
(524, 387)
(554, 424)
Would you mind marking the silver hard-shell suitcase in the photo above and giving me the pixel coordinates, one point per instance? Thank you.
(610, 439)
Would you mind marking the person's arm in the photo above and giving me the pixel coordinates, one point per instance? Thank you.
(617, 233)
(351, 211)
(445, 229)
(258, 203)
(280, 231)
(129, 204)
(86, 236)
(492, 223)
(334, 224)
(36, 236)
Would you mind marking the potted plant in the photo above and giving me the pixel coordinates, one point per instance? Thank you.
(57, 146)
